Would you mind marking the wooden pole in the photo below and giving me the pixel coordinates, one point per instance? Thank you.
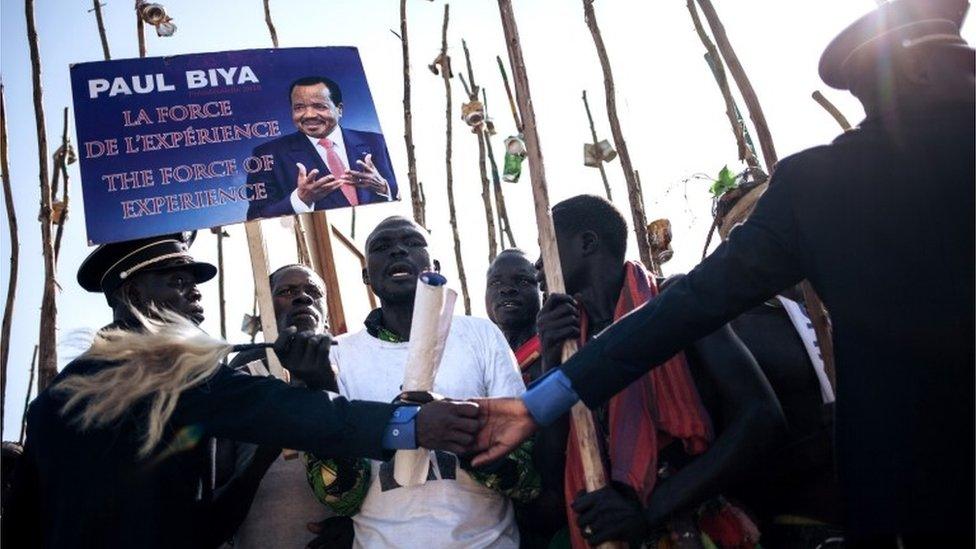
(508, 92)
(594, 474)
(474, 93)
(97, 8)
(351, 246)
(633, 188)
(832, 109)
(270, 23)
(222, 301)
(718, 71)
(30, 386)
(324, 264)
(262, 288)
(61, 166)
(8, 309)
(603, 171)
(504, 224)
(140, 30)
(444, 64)
(48, 337)
(742, 81)
(416, 196)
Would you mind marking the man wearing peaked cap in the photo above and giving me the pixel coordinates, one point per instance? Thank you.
(110, 266)
(881, 221)
(94, 488)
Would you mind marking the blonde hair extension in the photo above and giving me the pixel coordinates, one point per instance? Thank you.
(166, 357)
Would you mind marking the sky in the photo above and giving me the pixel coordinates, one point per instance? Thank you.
(672, 116)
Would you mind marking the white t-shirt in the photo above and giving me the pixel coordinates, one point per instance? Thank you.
(451, 511)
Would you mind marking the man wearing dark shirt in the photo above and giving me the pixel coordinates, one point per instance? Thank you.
(881, 222)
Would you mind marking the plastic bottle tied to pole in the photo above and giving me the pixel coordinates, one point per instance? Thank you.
(514, 155)
(433, 310)
(594, 154)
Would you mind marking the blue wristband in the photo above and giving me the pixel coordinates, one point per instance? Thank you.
(550, 397)
(401, 431)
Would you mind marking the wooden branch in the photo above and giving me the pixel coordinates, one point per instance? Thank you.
(445, 72)
(352, 223)
(8, 309)
(324, 264)
(593, 472)
(48, 338)
(508, 91)
(603, 171)
(832, 109)
(221, 295)
(742, 81)
(270, 23)
(718, 71)
(30, 386)
(633, 188)
(416, 196)
(351, 246)
(262, 290)
(821, 326)
(61, 166)
(473, 95)
(140, 31)
(97, 7)
(504, 225)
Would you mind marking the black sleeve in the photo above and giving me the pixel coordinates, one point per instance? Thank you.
(759, 259)
(267, 411)
(20, 524)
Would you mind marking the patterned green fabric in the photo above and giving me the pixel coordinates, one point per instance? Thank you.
(514, 476)
(339, 483)
(389, 336)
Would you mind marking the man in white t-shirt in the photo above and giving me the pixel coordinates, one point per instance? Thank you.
(455, 507)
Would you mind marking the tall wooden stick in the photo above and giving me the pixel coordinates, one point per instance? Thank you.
(508, 92)
(222, 302)
(416, 196)
(832, 109)
(30, 386)
(603, 171)
(97, 8)
(140, 30)
(633, 189)
(444, 63)
(270, 23)
(324, 264)
(594, 474)
(718, 71)
(504, 225)
(474, 92)
(61, 166)
(48, 337)
(742, 81)
(8, 309)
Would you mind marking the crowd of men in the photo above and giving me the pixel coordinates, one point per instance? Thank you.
(714, 414)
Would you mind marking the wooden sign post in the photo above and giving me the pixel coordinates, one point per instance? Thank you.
(319, 233)
(262, 288)
(594, 474)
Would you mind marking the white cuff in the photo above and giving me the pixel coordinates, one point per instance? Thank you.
(298, 206)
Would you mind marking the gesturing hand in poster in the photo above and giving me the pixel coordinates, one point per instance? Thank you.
(369, 178)
(311, 189)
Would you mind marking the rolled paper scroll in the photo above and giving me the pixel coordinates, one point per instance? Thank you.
(433, 310)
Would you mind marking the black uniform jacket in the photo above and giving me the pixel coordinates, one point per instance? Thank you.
(89, 489)
(882, 223)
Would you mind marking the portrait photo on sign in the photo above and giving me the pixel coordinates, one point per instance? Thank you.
(195, 141)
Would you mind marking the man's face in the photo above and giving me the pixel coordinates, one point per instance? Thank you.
(172, 289)
(299, 300)
(313, 111)
(512, 298)
(396, 254)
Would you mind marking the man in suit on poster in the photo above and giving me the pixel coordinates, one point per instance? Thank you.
(322, 165)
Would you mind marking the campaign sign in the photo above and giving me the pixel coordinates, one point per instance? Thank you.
(170, 144)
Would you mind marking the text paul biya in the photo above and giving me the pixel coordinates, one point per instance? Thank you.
(150, 83)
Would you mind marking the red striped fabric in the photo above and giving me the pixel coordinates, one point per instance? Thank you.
(650, 413)
(527, 354)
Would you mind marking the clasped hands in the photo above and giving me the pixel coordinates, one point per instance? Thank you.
(312, 188)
